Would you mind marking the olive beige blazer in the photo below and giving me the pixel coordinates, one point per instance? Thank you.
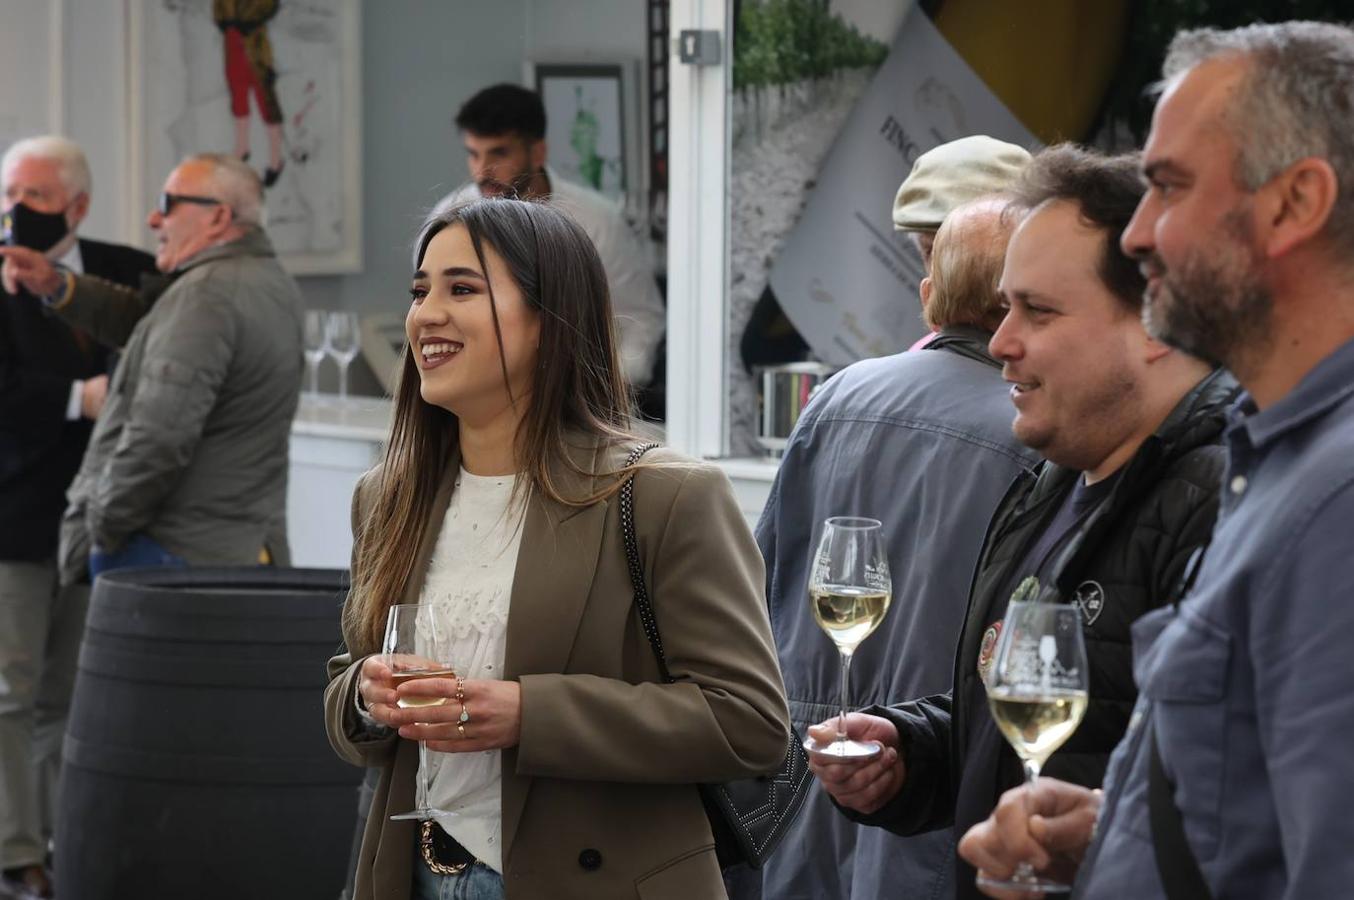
(599, 796)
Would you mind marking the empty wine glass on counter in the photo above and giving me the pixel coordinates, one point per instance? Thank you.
(849, 591)
(344, 342)
(316, 346)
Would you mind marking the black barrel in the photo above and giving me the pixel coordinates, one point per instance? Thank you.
(195, 759)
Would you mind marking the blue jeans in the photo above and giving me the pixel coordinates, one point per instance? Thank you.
(479, 882)
(138, 551)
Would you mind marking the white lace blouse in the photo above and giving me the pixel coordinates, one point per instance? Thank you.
(470, 582)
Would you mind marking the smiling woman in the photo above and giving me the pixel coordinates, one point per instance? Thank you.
(476, 336)
(495, 508)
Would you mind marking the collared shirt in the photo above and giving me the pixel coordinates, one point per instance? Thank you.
(635, 301)
(1247, 685)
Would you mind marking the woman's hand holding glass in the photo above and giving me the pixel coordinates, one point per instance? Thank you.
(484, 715)
(376, 687)
(414, 649)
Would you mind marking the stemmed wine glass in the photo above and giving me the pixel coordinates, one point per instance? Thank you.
(849, 591)
(344, 341)
(414, 648)
(1037, 689)
(316, 346)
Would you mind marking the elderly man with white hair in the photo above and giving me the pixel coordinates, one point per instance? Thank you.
(188, 463)
(53, 380)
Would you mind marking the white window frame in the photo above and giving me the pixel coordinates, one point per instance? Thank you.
(698, 170)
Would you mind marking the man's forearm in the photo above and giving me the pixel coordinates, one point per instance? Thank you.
(107, 311)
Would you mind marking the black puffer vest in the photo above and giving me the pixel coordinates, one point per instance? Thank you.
(1126, 558)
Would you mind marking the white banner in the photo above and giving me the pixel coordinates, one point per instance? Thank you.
(844, 277)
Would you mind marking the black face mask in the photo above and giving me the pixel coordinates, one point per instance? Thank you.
(40, 231)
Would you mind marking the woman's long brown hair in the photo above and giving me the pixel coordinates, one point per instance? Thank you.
(577, 387)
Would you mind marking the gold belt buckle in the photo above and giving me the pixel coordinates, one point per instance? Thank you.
(425, 846)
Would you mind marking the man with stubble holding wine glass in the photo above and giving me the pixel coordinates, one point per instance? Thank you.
(1131, 431)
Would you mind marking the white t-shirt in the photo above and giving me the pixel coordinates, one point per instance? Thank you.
(469, 582)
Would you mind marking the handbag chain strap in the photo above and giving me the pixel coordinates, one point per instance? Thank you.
(646, 615)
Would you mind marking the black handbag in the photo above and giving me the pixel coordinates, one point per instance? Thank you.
(750, 816)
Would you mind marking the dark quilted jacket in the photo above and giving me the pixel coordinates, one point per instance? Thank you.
(1134, 546)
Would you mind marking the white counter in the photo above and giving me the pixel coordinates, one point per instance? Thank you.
(332, 444)
(751, 480)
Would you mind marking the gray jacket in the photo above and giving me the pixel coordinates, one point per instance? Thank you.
(922, 441)
(191, 447)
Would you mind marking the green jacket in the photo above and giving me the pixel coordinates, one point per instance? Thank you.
(191, 447)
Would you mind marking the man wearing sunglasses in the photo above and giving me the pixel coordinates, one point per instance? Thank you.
(53, 380)
(188, 464)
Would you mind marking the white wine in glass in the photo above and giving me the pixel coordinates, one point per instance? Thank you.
(1037, 689)
(417, 673)
(414, 648)
(849, 592)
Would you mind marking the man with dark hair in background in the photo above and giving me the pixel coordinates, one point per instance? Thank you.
(1130, 429)
(503, 130)
(53, 380)
(922, 441)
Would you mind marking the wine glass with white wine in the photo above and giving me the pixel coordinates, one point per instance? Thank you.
(415, 648)
(849, 591)
(1037, 689)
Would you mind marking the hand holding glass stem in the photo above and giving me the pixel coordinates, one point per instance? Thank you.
(1037, 690)
(849, 592)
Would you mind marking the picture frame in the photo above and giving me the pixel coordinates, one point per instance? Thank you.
(593, 131)
(189, 79)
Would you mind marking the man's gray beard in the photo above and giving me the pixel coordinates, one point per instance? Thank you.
(1182, 327)
(1217, 313)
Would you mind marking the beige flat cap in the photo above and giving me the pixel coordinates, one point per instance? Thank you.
(952, 174)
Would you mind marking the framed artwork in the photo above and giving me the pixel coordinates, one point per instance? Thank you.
(592, 125)
(275, 82)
